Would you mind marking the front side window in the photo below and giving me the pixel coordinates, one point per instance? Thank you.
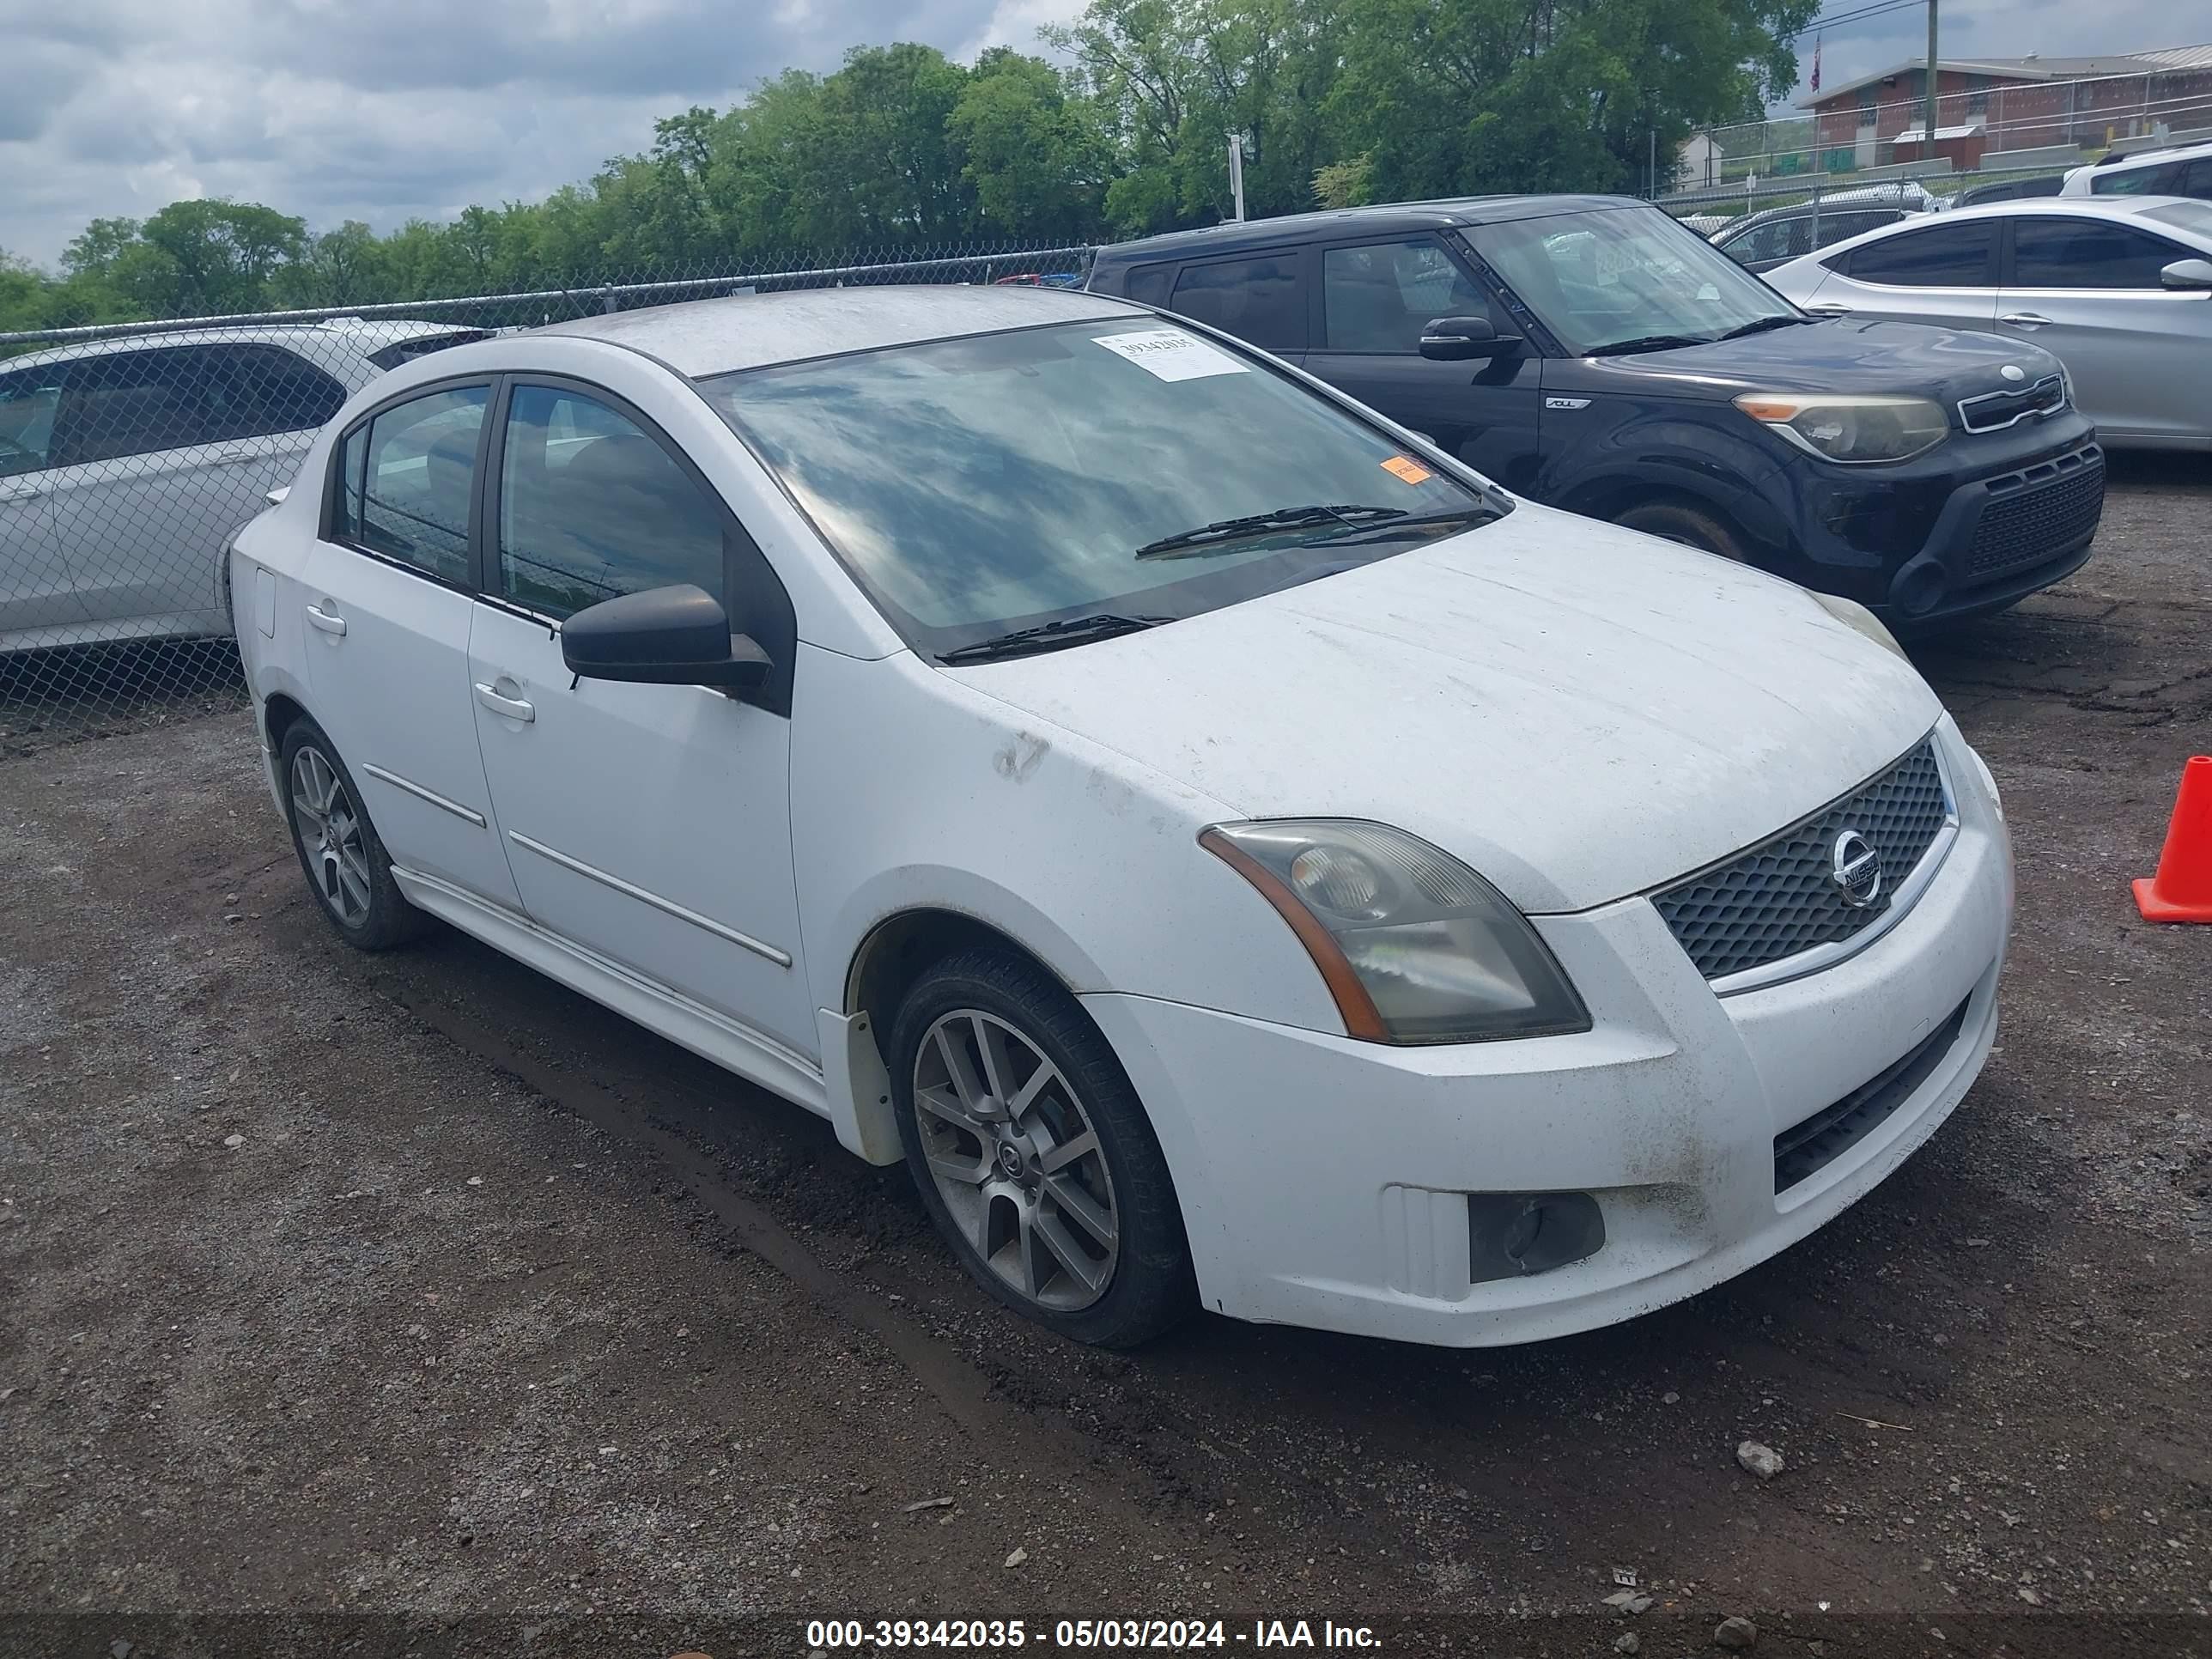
(29, 399)
(2136, 181)
(1377, 298)
(591, 508)
(412, 472)
(133, 402)
(1258, 299)
(1778, 238)
(977, 486)
(2196, 180)
(1616, 277)
(1944, 256)
(2086, 253)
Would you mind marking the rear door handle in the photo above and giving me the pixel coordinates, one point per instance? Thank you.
(329, 622)
(1828, 309)
(514, 707)
(19, 492)
(2025, 320)
(236, 457)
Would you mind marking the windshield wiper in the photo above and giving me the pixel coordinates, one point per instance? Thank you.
(1051, 636)
(1402, 521)
(1184, 543)
(1759, 325)
(1647, 343)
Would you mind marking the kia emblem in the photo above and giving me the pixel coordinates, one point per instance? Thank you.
(2013, 372)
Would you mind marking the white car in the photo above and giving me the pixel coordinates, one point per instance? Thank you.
(1233, 854)
(2118, 287)
(2178, 170)
(126, 463)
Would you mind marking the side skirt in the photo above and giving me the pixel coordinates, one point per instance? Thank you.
(713, 1036)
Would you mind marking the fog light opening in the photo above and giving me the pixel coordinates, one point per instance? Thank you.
(1512, 1235)
(1919, 588)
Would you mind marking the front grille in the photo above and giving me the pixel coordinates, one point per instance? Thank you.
(1994, 411)
(1805, 1149)
(1781, 898)
(2037, 513)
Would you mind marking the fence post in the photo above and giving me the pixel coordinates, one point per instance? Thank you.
(1816, 212)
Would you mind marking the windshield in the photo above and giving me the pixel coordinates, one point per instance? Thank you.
(1008, 481)
(1602, 278)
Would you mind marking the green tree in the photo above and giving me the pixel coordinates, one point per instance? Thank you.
(206, 257)
(1036, 158)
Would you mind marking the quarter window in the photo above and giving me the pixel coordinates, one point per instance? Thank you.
(591, 508)
(1148, 284)
(1377, 299)
(256, 391)
(28, 401)
(2086, 253)
(1946, 256)
(1257, 300)
(409, 476)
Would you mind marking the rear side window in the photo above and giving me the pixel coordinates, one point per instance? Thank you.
(1942, 256)
(1841, 227)
(254, 390)
(2136, 181)
(2086, 253)
(132, 403)
(1377, 299)
(1148, 284)
(591, 508)
(410, 472)
(1258, 299)
(29, 399)
(2196, 180)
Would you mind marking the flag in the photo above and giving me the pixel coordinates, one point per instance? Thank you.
(1816, 63)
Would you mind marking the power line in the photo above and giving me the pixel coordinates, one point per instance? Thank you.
(1859, 14)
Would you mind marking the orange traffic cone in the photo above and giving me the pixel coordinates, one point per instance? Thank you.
(2182, 889)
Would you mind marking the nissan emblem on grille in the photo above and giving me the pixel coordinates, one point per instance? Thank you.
(1857, 869)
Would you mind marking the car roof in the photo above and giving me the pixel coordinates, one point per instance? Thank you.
(365, 334)
(753, 331)
(1451, 213)
(2151, 157)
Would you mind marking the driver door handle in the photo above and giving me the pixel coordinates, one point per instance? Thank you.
(329, 622)
(514, 707)
(2025, 320)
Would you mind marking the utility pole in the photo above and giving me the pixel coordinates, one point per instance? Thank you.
(1928, 147)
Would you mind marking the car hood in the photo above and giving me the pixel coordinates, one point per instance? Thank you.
(1845, 354)
(1577, 711)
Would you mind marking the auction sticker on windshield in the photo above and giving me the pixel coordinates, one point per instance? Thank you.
(1171, 354)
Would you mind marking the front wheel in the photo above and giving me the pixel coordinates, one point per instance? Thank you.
(1033, 1154)
(1674, 522)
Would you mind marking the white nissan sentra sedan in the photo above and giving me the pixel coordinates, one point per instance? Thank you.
(1235, 855)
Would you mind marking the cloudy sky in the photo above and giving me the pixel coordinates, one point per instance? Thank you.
(381, 110)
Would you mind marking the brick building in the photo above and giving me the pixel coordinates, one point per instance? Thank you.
(2002, 103)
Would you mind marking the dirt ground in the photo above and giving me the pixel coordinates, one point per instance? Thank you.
(414, 1304)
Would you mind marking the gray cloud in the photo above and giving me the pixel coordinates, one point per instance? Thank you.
(333, 110)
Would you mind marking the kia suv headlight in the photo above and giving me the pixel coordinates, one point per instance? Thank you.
(1415, 947)
(1853, 430)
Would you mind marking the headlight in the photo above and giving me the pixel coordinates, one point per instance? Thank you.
(1415, 947)
(1852, 613)
(1849, 428)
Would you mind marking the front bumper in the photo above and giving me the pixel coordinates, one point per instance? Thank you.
(1325, 1182)
(1974, 526)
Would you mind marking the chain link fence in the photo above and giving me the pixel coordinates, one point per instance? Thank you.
(131, 452)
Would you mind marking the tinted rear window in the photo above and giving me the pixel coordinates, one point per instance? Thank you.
(1943, 256)
(1260, 299)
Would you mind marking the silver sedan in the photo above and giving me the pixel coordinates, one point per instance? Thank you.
(2119, 287)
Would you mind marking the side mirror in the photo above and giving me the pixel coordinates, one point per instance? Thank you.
(1455, 339)
(2188, 273)
(677, 635)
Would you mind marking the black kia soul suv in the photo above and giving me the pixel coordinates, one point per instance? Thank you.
(1590, 353)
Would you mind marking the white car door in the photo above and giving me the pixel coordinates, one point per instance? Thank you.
(387, 592)
(650, 824)
(1929, 271)
(2089, 289)
(160, 455)
(36, 591)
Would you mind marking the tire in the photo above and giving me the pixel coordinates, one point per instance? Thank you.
(351, 877)
(1691, 526)
(1013, 1206)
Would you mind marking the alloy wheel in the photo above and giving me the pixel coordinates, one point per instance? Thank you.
(1015, 1159)
(329, 828)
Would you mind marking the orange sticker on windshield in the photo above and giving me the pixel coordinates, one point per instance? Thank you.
(1407, 470)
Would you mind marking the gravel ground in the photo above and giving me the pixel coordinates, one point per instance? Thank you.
(413, 1304)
